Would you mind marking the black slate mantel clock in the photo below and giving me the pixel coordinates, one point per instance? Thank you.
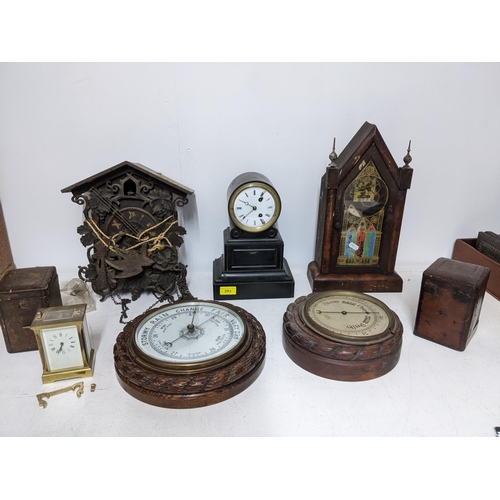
(253, 263)
(361, 205)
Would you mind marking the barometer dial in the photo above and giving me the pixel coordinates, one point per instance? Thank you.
(347, 317)
(190, 334)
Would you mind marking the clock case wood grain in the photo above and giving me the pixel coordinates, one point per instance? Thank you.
(450, 302)
(324, 273)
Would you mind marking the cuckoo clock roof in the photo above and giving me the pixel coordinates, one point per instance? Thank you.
(117, 171)
(367, 135)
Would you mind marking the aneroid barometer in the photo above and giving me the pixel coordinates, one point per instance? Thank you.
(342, 335)
(361, 205)
(189, 354)
(63, 341)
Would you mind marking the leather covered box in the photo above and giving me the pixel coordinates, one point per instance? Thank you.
(451, 297)
(22, 293)
(465, 251)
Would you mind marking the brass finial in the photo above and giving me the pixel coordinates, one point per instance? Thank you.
(407, 159)
(333, 155)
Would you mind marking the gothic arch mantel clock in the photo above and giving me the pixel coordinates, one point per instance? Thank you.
(361, 205)
(132, 233)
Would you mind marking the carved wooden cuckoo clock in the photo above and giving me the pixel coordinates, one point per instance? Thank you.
(361, 207)
(132, 233)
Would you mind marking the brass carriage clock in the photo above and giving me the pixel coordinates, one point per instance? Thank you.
(63, 342)
(132, 233)
(360, 214)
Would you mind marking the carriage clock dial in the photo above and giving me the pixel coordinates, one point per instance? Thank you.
(64, 347)
(190, 354)
(253, 204)
(342, 335)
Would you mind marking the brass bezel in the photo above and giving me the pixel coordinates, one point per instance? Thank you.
(194, 367)
(272, 220)
(310, 323)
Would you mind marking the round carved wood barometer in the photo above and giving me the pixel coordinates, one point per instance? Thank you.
(342, 335)
(190, 354)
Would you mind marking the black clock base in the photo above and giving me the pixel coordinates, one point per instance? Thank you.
(234, 285)
(365, 282)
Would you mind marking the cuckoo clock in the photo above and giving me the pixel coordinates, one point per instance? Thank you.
(361, 205)
(132, 233)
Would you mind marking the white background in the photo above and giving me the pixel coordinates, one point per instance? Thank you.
(276, 117)
(202, 124)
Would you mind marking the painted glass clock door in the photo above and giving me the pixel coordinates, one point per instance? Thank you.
(363, 217)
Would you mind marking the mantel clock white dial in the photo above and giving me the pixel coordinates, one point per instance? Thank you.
(253, 204)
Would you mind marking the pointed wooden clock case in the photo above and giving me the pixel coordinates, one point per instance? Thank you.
(361, 205)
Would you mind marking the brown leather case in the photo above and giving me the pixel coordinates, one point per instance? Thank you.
(450, 302)
(22, 293)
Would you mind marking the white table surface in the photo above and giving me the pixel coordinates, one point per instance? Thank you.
(433, 391)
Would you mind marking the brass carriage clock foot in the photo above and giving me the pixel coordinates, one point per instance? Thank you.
(253, 263)
(360, 214)
(190, 354)
(342, 335)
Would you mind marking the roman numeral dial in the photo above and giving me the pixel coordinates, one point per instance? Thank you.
(62, 347)
(254, 206)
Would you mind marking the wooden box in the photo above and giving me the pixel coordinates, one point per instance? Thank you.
(465, 251)
(22, 293)
(6, 260)
(450, 302)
